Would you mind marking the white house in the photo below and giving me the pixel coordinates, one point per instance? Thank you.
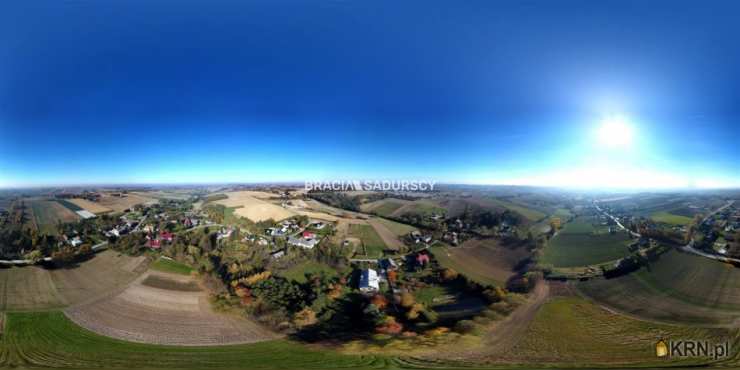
(369, 281)
(301, 242)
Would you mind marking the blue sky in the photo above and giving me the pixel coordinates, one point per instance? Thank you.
(478, 92)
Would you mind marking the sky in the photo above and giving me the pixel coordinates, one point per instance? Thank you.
(481, 92)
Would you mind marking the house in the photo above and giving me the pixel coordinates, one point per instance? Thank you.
(308, 235)
(369, 281)
(422, 259)
(168, 236)
(154, 244)
(76, 241)
(224, 233)
(303, 243)
(387, 264)
(277, 254)
(113, 232)
(318, 225)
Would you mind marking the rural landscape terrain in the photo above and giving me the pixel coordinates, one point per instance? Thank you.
(467, 276)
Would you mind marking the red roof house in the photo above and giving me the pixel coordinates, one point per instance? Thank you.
(164, 235)
(308, 235)
(154, 244)
(422, 259)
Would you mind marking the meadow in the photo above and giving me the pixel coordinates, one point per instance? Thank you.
(372, 242)
(47, 214)
(679, 287)
(570, 331)
(298, 272)
(483, 261)
(42, 339)
(670, 218)
(580, 243)
(529, 213)
(171, 266)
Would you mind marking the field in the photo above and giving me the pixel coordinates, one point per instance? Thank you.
(163, 308)
(571, 331)
(119, 204)
(423, 206)
(50, 339)
(253, 208)
(173, 267)
(670, 218)
(389, 236)
(298, 272)
(579, 243)
(528, 213)
(483, 261)
(396, 228)
(679, 287)
(384, 207)
(47, 214)
(372, 242)
(93, 207)
(35, 288)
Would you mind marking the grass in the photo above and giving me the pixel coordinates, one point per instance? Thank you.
(579, 243)
(48, 213)
(174, 267)
(387, 207)
(42, 339)
(670, 218)
(572, 331)
(426, 295)
(528, 213)
(679, 287)
(397, 227)
(440, 253)
(373, 243)
(298, 272)
(71, 206)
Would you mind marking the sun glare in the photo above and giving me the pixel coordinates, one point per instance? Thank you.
(615, 132)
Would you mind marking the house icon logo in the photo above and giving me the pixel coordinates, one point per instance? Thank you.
(661, 348)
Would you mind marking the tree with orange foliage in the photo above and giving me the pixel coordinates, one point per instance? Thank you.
(379, 301)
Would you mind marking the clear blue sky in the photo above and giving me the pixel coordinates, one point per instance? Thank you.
(474, 91)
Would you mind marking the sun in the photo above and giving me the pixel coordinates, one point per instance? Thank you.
(615, 132)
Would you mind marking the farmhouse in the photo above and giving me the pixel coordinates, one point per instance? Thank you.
(301, 242)
(369, 281)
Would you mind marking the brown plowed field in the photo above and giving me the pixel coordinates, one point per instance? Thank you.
(147, 314)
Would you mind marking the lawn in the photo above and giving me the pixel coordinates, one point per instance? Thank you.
(298, 272)
(174, 267)
(579, 243)
(670, 218)
(42, 339)
(372, 242)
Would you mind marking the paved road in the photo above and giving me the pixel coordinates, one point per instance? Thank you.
(636, 235)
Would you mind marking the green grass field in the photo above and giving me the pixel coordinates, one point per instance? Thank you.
(165, 265)
(397, 227)
(579, 243)
(573, 332)
(373, 243)
(670, 218)
(679, 287)
(48, 214)
(71, 206)
(387, 207)
(528, 213)
(298, 272)
(43, 339)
